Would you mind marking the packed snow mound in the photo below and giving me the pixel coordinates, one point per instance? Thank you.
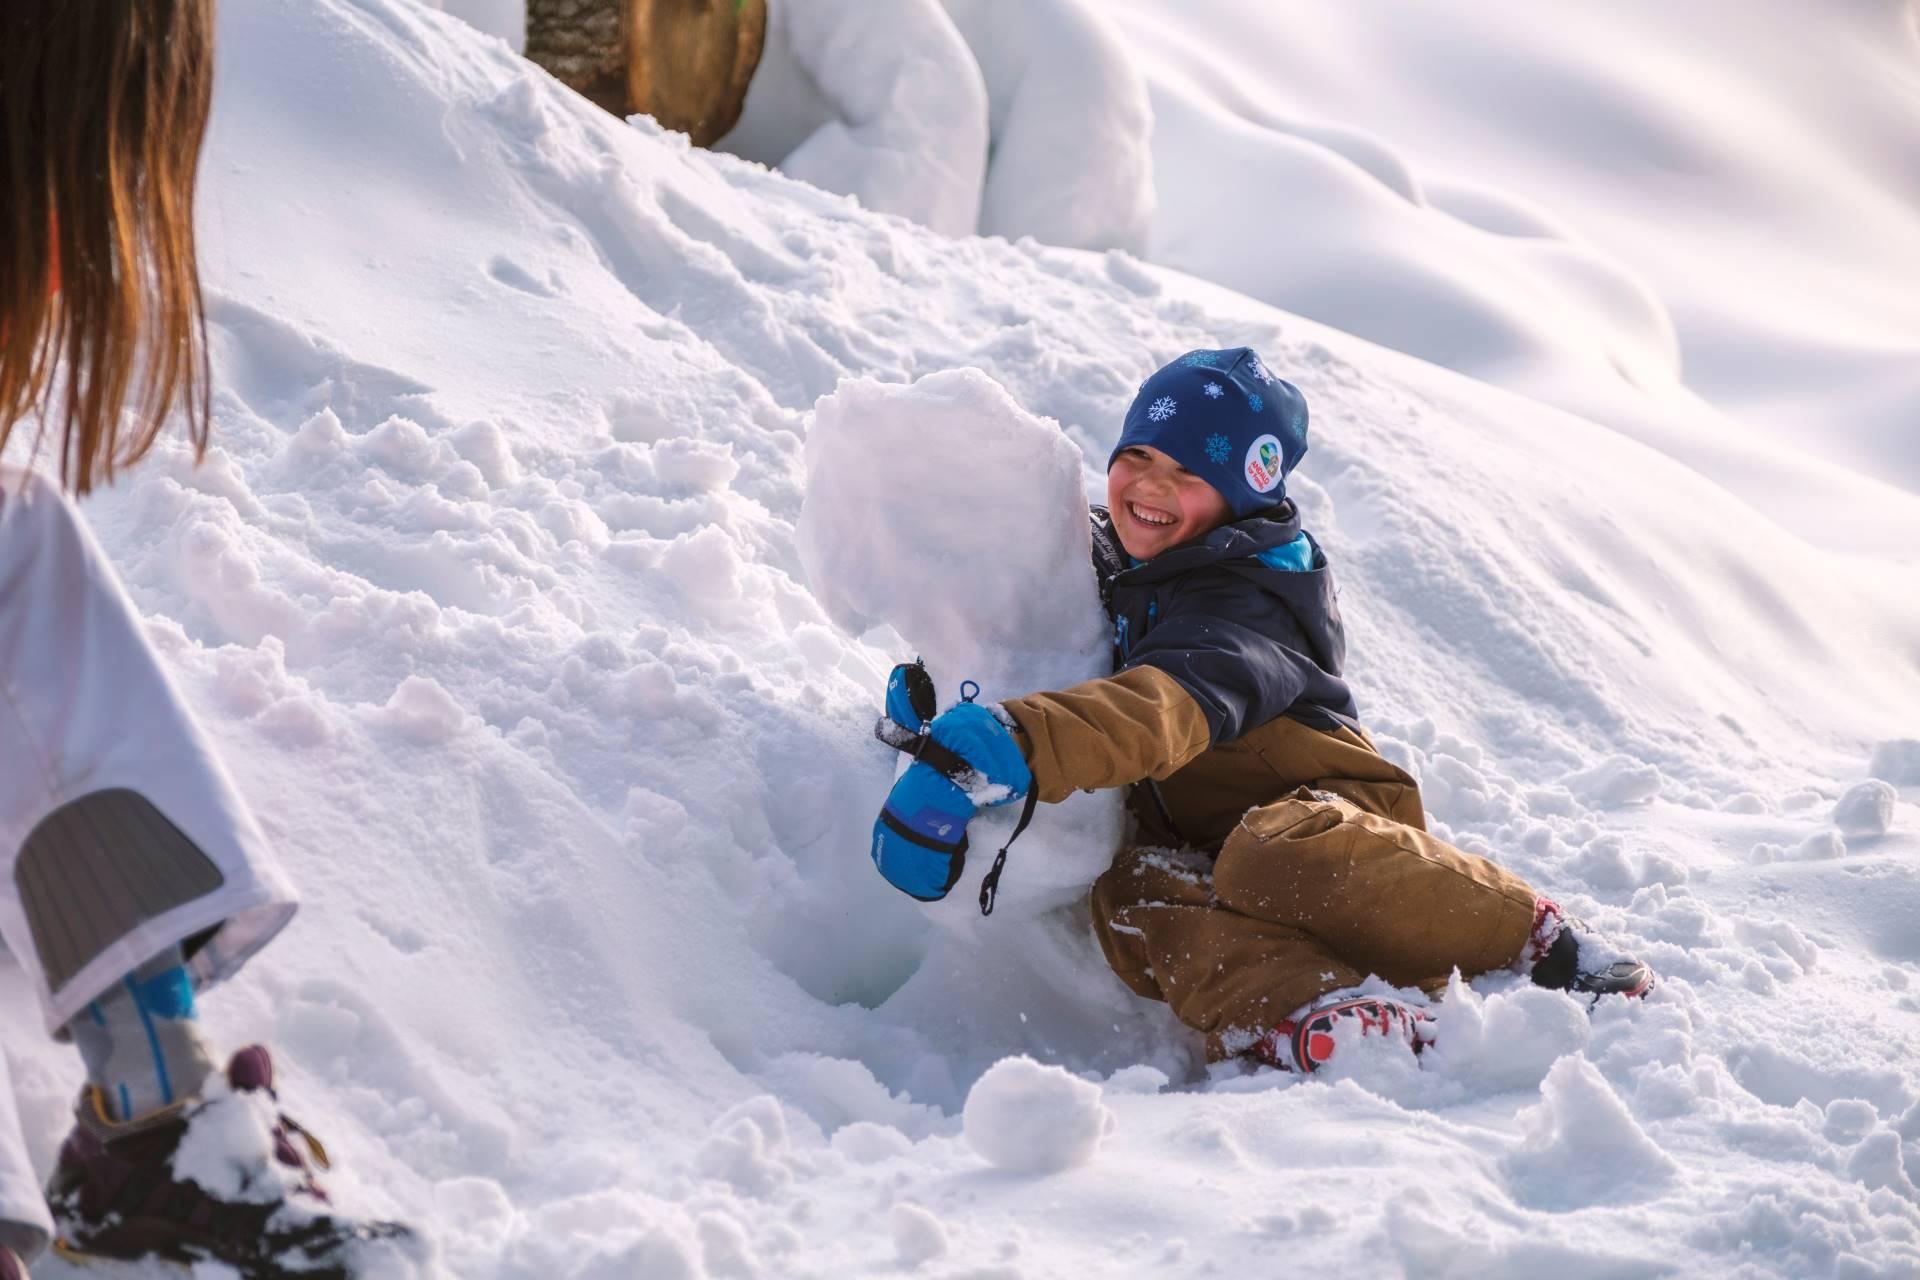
(950, 514)
(491, 594)
(1006, 117)
(882, 104)
(1070, 122)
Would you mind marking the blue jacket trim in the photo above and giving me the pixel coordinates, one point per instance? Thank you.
(1295, 557)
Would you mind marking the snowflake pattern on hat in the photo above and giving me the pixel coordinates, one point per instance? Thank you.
(1162, 409)
(1219, 448)
(1257, 369)
(1200, 360)
(1255, 403)
(1214, 390)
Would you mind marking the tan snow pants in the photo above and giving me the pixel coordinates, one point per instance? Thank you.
(1308, 895)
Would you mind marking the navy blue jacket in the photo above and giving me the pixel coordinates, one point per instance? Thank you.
(1249, 640)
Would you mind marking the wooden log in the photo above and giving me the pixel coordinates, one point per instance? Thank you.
(689, 61)
(583, 44)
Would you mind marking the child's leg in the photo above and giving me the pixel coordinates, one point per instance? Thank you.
(1227, 974)
(1384, 897)
(120, 835)
(1308, 896)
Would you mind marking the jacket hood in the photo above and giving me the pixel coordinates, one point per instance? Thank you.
(1234, 551)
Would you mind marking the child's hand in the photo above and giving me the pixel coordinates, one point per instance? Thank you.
(920, 838)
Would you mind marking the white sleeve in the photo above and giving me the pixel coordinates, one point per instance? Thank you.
(908, 133)
(25, 1225)
(92, 731)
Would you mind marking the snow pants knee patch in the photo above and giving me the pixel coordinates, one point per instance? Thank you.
(98, 867)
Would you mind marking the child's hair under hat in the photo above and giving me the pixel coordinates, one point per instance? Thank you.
(1224, 417)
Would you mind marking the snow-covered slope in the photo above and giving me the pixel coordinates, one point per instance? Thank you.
(491, 593)
(1721, 193)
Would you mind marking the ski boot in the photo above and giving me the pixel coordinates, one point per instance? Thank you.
(1569, 956)
(1305, 1041)
(116, 1192)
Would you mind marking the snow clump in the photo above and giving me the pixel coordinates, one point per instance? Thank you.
(1026, 1117)
(918, 1236)
(1581, 1146)
(1866, 810)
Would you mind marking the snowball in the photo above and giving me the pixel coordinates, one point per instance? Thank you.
(918, 1236)
(1897, 762)
(1866, 810)
(1027, 1117)
(1581, 1147)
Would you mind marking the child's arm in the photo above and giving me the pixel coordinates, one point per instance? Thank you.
(1108, 732)
(1197, 683)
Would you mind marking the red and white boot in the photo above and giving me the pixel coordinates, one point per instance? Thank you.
(1305, 1041)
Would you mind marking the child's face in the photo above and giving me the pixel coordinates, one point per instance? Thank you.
(1156, 503)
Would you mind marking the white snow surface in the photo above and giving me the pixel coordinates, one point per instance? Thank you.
(491, 591)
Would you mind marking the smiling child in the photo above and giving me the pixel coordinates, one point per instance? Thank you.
(1278, 860)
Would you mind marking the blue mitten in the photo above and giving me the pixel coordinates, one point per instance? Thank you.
(920, 838)
(978, 736)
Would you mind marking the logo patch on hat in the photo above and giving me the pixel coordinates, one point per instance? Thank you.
(1263, 464)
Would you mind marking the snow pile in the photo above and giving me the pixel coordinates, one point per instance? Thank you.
(1006, 117)
(1028, 1117)
(891, 112)
(493, 596)
(1581, 1148)
(1071, 161)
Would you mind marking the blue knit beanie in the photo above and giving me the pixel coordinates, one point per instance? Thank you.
(1222, 416)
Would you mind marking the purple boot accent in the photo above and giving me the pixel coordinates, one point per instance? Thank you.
(11, 1268)
(114, 1194)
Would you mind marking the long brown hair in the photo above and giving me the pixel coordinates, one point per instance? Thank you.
(103, 104)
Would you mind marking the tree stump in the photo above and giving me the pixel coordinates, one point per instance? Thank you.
(583, 45)
(686, 63)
